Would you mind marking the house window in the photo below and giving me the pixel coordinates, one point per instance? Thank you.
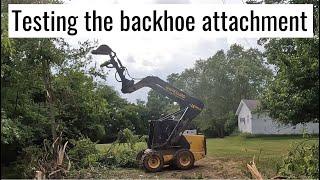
(243, 120)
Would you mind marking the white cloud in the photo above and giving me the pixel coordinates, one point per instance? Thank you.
(160, 55)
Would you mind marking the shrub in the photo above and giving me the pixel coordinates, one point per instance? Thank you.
(26, 163)
(121, 155)
(127, 136)
(123, 152)
(125, 157)
(302, 161)
(231, 123)
(96, 132)
(84, 153)
(246, 135)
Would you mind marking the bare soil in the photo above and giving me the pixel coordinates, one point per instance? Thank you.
(207, 168)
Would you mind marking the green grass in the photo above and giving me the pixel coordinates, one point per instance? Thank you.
(244, 147)
(268, 150)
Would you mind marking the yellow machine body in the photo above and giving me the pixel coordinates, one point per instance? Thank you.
(197, 147)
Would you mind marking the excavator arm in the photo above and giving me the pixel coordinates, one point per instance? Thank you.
(190, 107)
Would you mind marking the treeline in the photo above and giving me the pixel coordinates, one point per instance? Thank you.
(221, 81)
(284, 77)
(48, 88)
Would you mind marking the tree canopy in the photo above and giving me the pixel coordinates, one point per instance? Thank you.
(49, 87)
(293, 95)
(221, 81)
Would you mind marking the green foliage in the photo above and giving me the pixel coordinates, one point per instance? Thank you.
(84, 153)
(127, 136)
(122, 153)
(293, 95)
(221, 81)
(249, 135)
(231, 124)
(26, 163)
(302, 161)
(125, 157)
(10, 131)
(157, 104)
(98, 131)
(80, 106)
(268, 150)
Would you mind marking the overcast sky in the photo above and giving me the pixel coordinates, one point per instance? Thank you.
(159, 56)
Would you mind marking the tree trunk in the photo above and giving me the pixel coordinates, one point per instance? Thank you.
(16, 104)
(221, 132)
(49, 96)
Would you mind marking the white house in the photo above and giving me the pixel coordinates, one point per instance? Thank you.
(254, 122)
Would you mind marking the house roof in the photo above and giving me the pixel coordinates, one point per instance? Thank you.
(251, 104)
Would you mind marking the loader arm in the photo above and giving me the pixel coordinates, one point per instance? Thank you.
(190, 107)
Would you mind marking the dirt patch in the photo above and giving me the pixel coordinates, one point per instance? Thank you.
(208, 168)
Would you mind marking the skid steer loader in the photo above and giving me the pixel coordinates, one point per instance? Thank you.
(167, 143)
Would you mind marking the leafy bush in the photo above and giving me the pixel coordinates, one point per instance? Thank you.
(302, 161)
(127, 136)
(122, 153)
(231, 124)
(84, 153)
(125, 157)
(25, 165)
(246, 135)
(97, 132)
(10, 130)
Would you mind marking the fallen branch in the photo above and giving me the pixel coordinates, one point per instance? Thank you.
(254, 170)
(54, 172)
(61, 153)
(55, 166)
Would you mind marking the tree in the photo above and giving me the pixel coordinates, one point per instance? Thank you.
(49, 87)
(221, 82)
(293, 95)
(156, 104)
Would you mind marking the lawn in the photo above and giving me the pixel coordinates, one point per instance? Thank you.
(247, 147)
(268, 150)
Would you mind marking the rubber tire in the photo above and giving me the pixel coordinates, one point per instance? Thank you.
(139, 158)
(145, 159)
(178, 154)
